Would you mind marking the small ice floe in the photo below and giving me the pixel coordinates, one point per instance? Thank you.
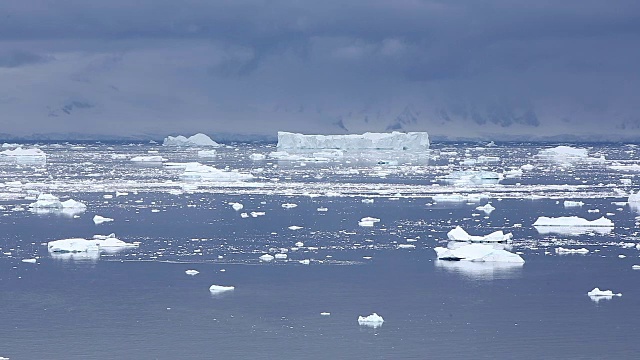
(198, 172)
(406, 246)
(513, 173)
(305, 262)
(101, 219)
(487, 208)
(295, 227)
(257, 213)
(244, 215)
(299, 244)
(596, 294)
(562, 251)
(368, 221)
(570, 203)
(257, 157)
(289, 206)
(236, 206)
(216, 289)
(367, 201)
(192, 272)
(148, 159)
(281, 256)
(527, 167)
(456, 251)
(266, 257)
(30, 261)
(457, 198)
(207, 153)
(635, 267)
(325, 313)
(473, 177)
(459, 234)
(322, 209)
(621, 256)
(374, 320)
(573, 221)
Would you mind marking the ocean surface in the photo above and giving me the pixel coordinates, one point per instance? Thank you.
(138, 302)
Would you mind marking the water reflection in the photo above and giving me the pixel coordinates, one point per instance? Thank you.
(573, 230)
(482, 270)
(87, 256)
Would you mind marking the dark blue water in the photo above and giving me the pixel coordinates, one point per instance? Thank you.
(139, 303)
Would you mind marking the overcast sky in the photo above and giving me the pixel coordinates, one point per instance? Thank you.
(458, 67)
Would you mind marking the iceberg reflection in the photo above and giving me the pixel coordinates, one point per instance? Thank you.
(482, 270)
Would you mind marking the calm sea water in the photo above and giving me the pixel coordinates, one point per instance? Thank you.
(140, 304)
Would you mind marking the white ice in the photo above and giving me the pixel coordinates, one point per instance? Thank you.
(561, 251)
(220, 288)
(572, 221)
(570, 203)
(195, 140)
(150, 158)
(374, 320)
(197, 171)
(206, 153)
(192, 272)
(459, 234)
(266, 257)
(101, 219)
(415, 141)
(476, 252)
(487, 208)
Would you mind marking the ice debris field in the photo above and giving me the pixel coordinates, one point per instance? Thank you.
(319, 200)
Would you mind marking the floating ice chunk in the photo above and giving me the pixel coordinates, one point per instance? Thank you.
(406, 246)
(111, 243)
(26, 154)
(572, 221)
(598, 292)
(46, 201)
(30, 261)
(74, 245)
(153, 158)
(367, 201)
(289, 206)
(101, 219)
(73, 204)
(257, 157)
(415, 141)
(299, 244)
(283, 155)
(635, 267)
(476, 252)
(569, 203)
(515, 173)
(197, 171)
(563, 154)
(192, 272)
(457, 198)
(629, 168)
(368, 221)
(305, 262)
(459, 234)
(236, 206)
(266, 257)
(244, 215)
(325, 313)
(295, 227)
(220, 288)
(487, 208)
(473, 177)
(257, 213)
(195, 140)
(527, 167)
(374, 320)
(634, 201)
(561, 251)
(281, 256)
(206, 153)
(371, 219)
(322, 209)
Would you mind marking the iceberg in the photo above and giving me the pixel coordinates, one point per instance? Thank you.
(195, 140)
(634, 201)
(192, 272)
(374, 320)
(473, 177)
(596, 294)
(220, 288)
(152, 159)
(101, 219)
(24, 154)
(459, 234)
(46, 201)
(197, 171)
(572, 221)
(266, 257)
(487, 208)
(456, 251)
(107, 243)
(414, 141)
(563, 154)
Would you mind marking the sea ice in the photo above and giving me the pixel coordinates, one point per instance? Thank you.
(289, 206)
(374, 320)
(72, 246)
(415, 141)
(197, 171)
(195, 140)
(487, 208)
(206, 153)
(236, 206)
(476, 252)
(459, 234)
(47, 201)
(569, 203)
(266, 257)
(192, 272)
(30, 261)
(24, 154)
(257, 157)
(561, 250)
(573, 221)
(563, 154)
(406, 246)
(598, 292)
(219, 288)
(281, 256)
(151, 158)
(295, 227)
(101, 219)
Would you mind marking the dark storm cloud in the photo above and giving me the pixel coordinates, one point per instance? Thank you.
(493, 61)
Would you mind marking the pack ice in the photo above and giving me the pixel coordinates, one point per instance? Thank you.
(456, 251)
(414, 141)
(195, 140)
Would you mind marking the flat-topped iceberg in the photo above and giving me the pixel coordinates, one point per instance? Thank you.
(572, 221)
(216, 289)
(563, 153)
(99, 242)
(457, 251)
(195, 140)
(459, 234)
(374, 320)
(19, 153)
(197, 171)
(413, 141)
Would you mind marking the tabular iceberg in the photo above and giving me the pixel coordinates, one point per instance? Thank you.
(572, 221)
(25, 154)
(195, 140)
(414, 141)
(197, 171)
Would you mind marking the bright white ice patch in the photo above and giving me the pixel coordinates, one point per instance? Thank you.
(195, 140)
(459, 234)
(572, 221)
(476, 252)
(415, 141)
(374, 320)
